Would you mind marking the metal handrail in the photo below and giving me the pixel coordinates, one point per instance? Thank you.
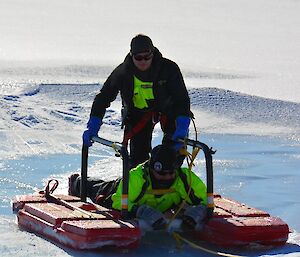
(208, 152)
(121, 150)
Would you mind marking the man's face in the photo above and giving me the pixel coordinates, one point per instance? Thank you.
(143, 60)
(165, 177)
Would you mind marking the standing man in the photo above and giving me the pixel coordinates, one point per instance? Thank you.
(152, 90)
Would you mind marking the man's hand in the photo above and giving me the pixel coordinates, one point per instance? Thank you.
(93, 126)
(194, 216)
(151, 216)
(181, 131)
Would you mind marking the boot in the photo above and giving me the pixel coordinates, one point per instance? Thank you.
(73, 185)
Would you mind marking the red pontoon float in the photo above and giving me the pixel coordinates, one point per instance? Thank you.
(75, 223)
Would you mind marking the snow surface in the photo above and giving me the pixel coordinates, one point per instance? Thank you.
(240, 60)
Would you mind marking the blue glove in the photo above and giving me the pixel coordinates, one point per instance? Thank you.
(182, 130)
(93, 126)
(151, 216)
(194, 216)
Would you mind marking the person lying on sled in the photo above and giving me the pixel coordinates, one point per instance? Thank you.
(155, 187)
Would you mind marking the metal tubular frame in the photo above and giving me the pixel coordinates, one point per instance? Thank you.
(122, 151)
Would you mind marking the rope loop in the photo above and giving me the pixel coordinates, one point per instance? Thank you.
(50, 189)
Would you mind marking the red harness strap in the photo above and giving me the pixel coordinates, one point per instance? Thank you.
(156, 117)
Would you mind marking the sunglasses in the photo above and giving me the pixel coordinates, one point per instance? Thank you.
(140, 57)
(164, 172)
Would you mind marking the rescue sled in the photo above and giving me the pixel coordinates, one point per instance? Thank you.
(76, 223)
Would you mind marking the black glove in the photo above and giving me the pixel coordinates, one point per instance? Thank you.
(194, 216)
(151, 216)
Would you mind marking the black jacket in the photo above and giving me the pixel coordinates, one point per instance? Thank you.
(170, 93)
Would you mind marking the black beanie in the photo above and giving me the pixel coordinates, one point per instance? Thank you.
(141, 43)
(163, 157)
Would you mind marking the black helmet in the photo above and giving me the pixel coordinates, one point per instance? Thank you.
(163, 157)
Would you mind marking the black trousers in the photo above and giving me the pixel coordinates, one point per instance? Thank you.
(140, 144)
(99, 191)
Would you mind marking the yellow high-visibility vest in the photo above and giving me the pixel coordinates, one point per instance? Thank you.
(142, 91)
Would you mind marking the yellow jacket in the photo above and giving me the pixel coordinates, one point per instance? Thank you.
(141, 192)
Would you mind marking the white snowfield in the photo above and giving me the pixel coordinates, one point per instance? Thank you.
(50, 118)
(240, 61)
